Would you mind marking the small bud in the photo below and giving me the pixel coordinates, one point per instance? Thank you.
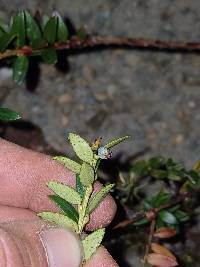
(96, 143)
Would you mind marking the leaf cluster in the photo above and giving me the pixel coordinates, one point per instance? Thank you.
(166, 209)
(76, 204)
(160, 169)
(28, 35)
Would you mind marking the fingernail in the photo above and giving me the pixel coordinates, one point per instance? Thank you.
(62, 248)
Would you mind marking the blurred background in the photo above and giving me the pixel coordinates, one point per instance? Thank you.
(152, 95)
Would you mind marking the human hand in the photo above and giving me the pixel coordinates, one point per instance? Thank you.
(26, 240)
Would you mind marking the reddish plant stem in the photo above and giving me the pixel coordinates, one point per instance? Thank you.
(110, 41)
(151, 232)
(140, 215)
(107, 41)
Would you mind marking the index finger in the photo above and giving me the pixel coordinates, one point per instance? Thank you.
(23, 177)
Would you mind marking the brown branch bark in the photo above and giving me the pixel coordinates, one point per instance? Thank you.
(109, 41)
(140, 215)
(124, 42)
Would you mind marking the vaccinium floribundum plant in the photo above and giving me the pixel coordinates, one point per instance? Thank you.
(164, 212)
(76, 204)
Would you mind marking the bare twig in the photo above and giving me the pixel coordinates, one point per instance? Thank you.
(151, 232)
(130, 42)
(110, 41)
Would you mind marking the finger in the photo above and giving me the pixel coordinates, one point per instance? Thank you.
(30, 242)
(23, 175)
(101, 259)
(22, 226)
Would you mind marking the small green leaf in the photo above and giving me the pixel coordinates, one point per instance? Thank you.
(44, 21)
(182, 216)
(63, 33)
(157, 162)
(196, 166)
(38, 43)
(160, 223)
(98, 197)
(64, 191)
(92, 242)
(147, 204)
(18, 28)
(173, 209)
(167, 217)
(5, 40)
(82, 34)
(159, 174)
(141, 222)
(4, 27)
(140, 168)
(59, 219)
(32, 28)
(174, 175)
(116, 141)
(49, 56)
(81, 148)
(7, 114)
(79, 186)
(161, 198)
(69, 164)
(68, 209)
(1, 31)
(50, 30)
(20, 69)
(86, 175)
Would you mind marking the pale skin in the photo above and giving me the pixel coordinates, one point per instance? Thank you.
(23, 174)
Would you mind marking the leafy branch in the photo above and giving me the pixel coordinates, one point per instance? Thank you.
(78, 203)
(26, 36)
(38, 35)
(164, 211)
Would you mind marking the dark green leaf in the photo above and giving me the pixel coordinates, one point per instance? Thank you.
(160, 223)
(32, 28)
(18, 28)
(159, 174)
(44, 21)
(1, 31)
(49, 56)
(4, 27)
(20, 69)
(161, 198)
(140, 168)
(174, 174)
(5, 40)
(63, 33)
(7, 114)
(141, 222)
(79, 186)
(194, 177)
(147, 204)
(38, 43)
(51, 30)
(173, 209)
(182, 216)
(65, 206)
(82, 34)
(167, 217)
(156, 162)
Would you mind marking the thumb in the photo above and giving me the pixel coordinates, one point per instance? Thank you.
(37, 244)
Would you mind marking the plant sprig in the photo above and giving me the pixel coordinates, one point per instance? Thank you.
(164, 211)
(78, 203)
